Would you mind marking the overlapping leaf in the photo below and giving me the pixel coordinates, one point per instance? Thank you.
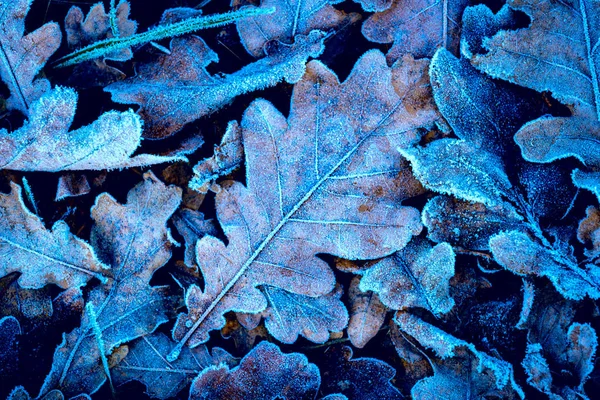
(264, 373)
(22, 57)
(176, 88)
(291, 18)
(133, 239)
(42, 256)
(417, 276)
(417, 27)
(367, 314)
(276, 226)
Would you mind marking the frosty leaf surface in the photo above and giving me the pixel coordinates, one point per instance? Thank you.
(466, 224)
(517, 252)
(561, 44)
(10, 330)
(375, 5)
(537, 369)
(457, 167)
(462, 370)
(290, 315)
(134, 240)
(264, 373)
(145, 362)
(44, 142)
(417, 27)
(291, 18)
(192, 226)
(358, 378)
(367, 314)
(227, 157)
(176, 88)
(416, 276)
(285, 215)
(481, 111)
(549, 139)
(23, 56)
(42, 256)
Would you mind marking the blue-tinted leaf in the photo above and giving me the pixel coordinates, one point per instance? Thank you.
(359, 378)
(537, 370)
(466, 224)
(145, 362)
(19, 393)
(227, 157)
(134, 240)
(96, 27)
(560, 45)
(416, 276)
(263, 374)
(367, 314)
(479, 22)
(518, 253)
(291, 18)
(338, 143)
(192, 226)
(44, 142)
(42, 256)
(587, 180)
(375, 5)
(459, 168)
(22, 57)
(289, 315)
(462, 371)
(481, 111)
(588, 232)
(548, 139)
(176, 88)
(417, 27)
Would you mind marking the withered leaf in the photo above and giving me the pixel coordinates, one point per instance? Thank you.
(416, 276)
(517, 252)
(466, 224)
(291, 18)
(176, 88)
(367, 314)
(192, 226)
(22, 57)
(145, 362)
(417, 27)
(44, 142)
(40, 255)
(95, 27)
(264, 373)
(10, 330)
(227, 157)
(134, 240)
(289, 315)
(358, 378)
(285, 216)
(461, 371)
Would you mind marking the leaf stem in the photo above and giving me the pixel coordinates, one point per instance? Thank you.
(103, 47)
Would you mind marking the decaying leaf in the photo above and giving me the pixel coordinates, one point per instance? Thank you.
(367, 314)
(416, 276)
(145, 362)
(22, 57)
(358, 378)
(71, 185)
(134, 240)
(227, 157)
(264, 373)
(461, 371)
(417, 27)
(95, 27)
(291, 18)
(517, 252)
(276, 226)
(176, 88)
(10, 330)
(44, 142)
(289, 315)
(40, 255)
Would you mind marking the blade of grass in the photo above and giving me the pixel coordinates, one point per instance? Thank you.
(104, 47)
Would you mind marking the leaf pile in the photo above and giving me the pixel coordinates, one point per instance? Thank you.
(368, 199)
